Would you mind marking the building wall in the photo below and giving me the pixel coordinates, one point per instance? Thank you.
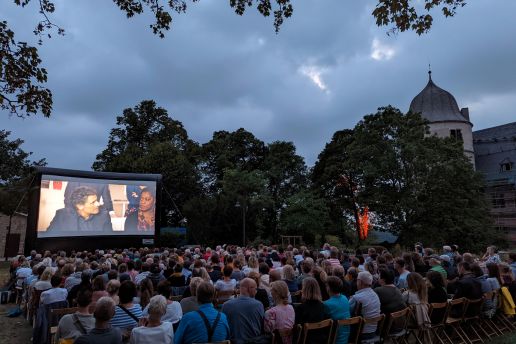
(442, 129)
(492, 147)
(18, 225)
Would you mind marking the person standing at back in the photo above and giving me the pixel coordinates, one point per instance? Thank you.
(245, 314)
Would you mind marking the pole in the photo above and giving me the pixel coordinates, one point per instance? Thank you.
(8, 235)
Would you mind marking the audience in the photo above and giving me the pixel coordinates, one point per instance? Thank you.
(368, 301)
(147, 312)
(389, 295)
(245, 314)
(55, 294)
(337, 307)
(154, 329)
(102, 333)
(71, 326)
(127, 313)
(281, 316)
(189, 303)
(204, 325)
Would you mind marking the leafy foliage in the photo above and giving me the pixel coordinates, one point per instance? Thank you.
(15, 172)
(20, 73)
(403, 14)
(147, 140)
(419, 187)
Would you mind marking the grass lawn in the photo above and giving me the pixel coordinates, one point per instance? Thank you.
(509, 338)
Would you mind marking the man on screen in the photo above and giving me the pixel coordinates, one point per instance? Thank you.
(83, 213)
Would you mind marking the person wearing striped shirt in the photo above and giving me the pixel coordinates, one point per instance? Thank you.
(127, 313)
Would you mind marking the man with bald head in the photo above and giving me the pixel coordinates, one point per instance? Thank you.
(245, 314)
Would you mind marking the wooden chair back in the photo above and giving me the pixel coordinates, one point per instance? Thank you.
(456, 309)
(279, 336)
(355, 329)
(397, 321)
(378, 320)
(438, 313)
(473, 308)
(318, 326)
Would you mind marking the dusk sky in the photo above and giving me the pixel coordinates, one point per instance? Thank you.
(327, 67)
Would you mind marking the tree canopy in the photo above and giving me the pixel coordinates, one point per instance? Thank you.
(22, 77)
(417, 186)
(15, 171)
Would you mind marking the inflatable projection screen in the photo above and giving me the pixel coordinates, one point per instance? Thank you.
(69, 204)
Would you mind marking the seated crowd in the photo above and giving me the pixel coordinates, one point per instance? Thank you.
(246, 294)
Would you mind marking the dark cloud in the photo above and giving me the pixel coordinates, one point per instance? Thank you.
(328, 66)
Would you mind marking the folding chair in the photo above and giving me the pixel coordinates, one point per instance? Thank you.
(379, 320)
(471, 317)
(503, 323)
(486, 319)
(454, 320)
(355, 329)
(438, 313)
(400, 320)
(55, 316)
(309, 328)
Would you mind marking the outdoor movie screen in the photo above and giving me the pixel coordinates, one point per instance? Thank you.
(71, 206)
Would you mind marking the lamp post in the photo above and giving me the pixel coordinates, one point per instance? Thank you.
(238, 205)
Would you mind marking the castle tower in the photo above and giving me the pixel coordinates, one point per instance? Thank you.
(440, 108)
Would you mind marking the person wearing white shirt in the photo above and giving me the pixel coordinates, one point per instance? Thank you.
(55, 294)
(154, 329)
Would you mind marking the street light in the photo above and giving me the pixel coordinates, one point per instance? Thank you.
(237, 205)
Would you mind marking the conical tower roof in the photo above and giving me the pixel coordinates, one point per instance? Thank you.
(436, 104)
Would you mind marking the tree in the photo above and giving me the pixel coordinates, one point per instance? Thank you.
(238, 150)
(419, 186)
(336, 179)
(305, 214)
(22, 77)
(15, 172)
(147, 140)
(286, 174)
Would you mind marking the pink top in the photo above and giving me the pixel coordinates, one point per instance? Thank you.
(280, 317)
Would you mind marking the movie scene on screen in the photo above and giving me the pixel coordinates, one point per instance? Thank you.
(71, 206)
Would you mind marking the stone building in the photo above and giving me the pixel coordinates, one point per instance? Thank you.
(440, 108)
(16, 237)
(495, 157)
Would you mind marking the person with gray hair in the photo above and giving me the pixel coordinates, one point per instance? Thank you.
(153, 329)
(103, 333)
(369, 300)
(190, 304)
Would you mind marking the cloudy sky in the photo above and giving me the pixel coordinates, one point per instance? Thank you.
(328, 67)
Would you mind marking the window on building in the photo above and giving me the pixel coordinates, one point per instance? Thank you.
(456, 134)
(506, 166)
(498, 200)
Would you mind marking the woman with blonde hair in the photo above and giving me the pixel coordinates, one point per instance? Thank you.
(311, 309)
(44, 280)
(416, 296)
(112, 289)
(289, 276)
(252, 265)
(281, 316)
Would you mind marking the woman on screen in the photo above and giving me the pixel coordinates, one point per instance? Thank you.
(143, 219)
